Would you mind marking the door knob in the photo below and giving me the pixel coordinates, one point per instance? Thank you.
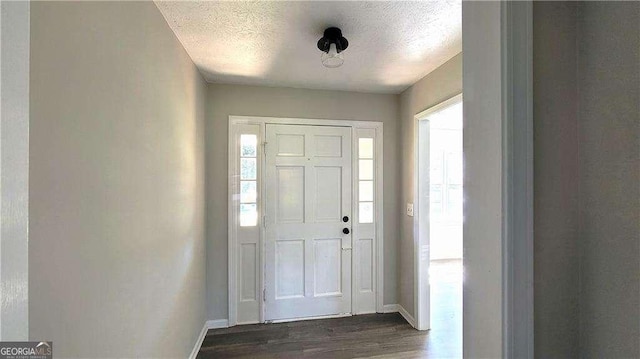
(345, 230)
(345, 219)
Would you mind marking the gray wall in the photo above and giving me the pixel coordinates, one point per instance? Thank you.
(587, 170)
(439, 85)
(117, 249)
(225, 100)
(555, 111)
(609, 132)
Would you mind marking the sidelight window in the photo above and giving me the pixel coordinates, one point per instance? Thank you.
(248, 180)
(365, 180)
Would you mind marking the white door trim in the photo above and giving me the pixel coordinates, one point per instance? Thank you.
(421, 287)
(440, 106)
(497, 77)
(234, 122)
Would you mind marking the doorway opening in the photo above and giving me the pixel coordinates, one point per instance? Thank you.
(439, 170)
(305, 219)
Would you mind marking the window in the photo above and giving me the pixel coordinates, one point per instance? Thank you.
(248, 180)
(365, 180)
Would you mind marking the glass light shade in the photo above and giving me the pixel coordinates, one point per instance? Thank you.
(332, 58)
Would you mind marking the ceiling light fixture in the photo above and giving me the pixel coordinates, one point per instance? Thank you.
(332, 44)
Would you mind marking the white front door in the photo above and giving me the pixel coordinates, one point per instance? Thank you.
(308, 200)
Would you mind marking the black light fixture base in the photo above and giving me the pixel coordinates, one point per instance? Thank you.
(332, 35)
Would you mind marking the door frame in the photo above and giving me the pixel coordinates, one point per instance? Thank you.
(497, 43)
(421, 285)
(236, 122)
(497, 75)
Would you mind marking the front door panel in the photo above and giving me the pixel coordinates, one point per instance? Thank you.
(308, 189)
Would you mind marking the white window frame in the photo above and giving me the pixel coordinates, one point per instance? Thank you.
(233, 216)
(378, 217)
(236, 123)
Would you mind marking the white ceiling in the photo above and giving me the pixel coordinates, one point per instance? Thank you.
(273, 43)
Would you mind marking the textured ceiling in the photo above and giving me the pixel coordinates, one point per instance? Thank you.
(391, 44)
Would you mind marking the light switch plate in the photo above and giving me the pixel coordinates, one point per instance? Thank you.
(410, 209)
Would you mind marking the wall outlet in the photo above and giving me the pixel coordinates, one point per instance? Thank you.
(410, 209)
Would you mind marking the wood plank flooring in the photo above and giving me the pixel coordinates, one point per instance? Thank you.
(373, 335)
(362, 336)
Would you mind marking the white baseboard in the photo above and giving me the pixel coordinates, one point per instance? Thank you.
(397, 308)
(406, 316)
(390, 308)
(218, 323)
(209, 324)
(196, 347)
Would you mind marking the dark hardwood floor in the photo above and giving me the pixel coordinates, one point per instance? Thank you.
(362, 336)
(350, 337)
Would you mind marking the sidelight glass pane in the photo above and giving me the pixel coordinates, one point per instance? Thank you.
(365, 212)
(248, 215)
(366, 191)
(365, 169)
(248, 191)
(248, 168)
(248, 145)
(365, 148)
